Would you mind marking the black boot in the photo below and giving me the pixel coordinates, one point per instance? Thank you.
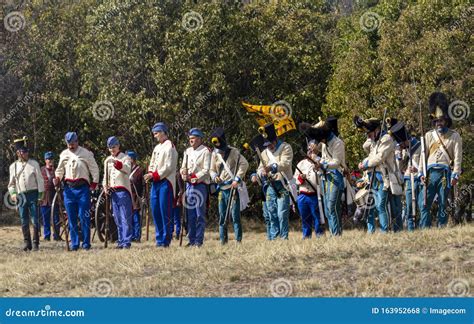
(36, 236)
(26, 237)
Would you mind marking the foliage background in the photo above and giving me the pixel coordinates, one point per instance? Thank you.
(313, 54)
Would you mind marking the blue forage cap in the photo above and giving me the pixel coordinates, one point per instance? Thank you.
(70, 137)
(195, 132)
(159, 127)
(48, 155)
(132, 154)
(112, 141)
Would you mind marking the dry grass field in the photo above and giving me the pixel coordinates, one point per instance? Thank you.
(427, 263)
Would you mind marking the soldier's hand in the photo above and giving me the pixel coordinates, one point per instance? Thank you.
(56, 182)
(303, 176)
(454, 182)
(217, 180)
(413, 170)
(361, 166)
(316, 165)
(422, 178)
(147, 177)
(234, 184)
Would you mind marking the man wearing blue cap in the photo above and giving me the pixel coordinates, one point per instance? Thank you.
(195, 172)
(76, 167)
(276, 166)
(48, 175)
(136, 181)
(116, 183)
(26, 188)
(162, 173)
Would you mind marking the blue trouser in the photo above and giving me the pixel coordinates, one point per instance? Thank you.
(223, 201)
(161, 197)
(266, 219)
(408, 202)
(371, 218)
(136, 225)
(333, 187)
(439, 182)
(122, 211)
(278, 208)
(77, 202)
(383, 199)
(196, 205)
(46, 213)
(176, 220)
(27, 207)
(309, 212)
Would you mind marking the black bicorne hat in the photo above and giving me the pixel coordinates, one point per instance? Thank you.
(332, 123)
(399, 132)
(367, 125)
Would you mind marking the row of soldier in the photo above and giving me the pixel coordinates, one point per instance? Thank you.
(393, 165)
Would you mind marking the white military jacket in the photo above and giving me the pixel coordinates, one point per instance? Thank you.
(25, 176)
(198, 163)
(77, 165)
(382, 156)
(333, 154)
(118, 178)
(436, 157)
(164, 162)
(307, 167)
(221, 171)
(282, 158)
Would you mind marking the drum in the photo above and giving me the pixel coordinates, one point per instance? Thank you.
(360, 197)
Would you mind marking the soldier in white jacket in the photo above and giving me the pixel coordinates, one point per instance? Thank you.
(162, 173)
(195, 172)
(76, 167)
(26, 188)
(276, 167)
(223, 165)
(408, 159)
(444, 157)
(116, 183)
(388, 181)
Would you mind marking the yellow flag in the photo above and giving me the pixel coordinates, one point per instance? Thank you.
(278, 113)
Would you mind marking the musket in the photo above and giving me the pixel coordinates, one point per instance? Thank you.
(412, 182)
(231, 196)
(107, 203)
(423, 143)
(147, 214)
(184, 211)
(61, 215)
